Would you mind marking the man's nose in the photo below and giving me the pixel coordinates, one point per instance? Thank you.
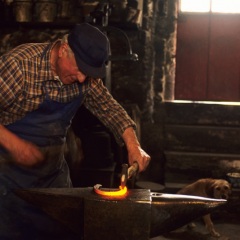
(81, 77)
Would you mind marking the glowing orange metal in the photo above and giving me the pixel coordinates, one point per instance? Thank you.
(110, 193)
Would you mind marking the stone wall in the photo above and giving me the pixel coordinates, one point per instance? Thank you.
(150, 81)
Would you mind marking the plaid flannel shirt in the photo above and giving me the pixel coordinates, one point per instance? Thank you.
(23, 72)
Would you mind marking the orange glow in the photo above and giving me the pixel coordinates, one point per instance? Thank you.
(215, 6)
(111, 193)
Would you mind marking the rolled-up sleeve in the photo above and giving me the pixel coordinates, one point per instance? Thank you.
(10, 82)
(100, 103)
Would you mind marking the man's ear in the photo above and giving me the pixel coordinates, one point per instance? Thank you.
(62, 49)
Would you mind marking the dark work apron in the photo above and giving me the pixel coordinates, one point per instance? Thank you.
(46, 127)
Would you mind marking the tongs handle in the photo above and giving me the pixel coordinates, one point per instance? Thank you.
(133, 170)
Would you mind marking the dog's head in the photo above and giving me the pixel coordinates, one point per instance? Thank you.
(220, 189)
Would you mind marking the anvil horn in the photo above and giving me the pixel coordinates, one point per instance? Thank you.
(171, 211)
(138, 215)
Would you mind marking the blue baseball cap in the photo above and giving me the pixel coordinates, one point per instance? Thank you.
(91, 49)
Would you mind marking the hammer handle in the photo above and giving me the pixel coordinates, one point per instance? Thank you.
(133, 170)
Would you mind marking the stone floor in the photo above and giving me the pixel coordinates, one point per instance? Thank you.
(226, 223)
(228, 231)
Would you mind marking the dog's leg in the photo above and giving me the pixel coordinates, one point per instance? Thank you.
(209, 225)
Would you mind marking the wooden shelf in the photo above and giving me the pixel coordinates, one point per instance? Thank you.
(55, 24)
(59, 24)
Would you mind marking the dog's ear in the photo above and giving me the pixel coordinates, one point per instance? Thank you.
(210, 188)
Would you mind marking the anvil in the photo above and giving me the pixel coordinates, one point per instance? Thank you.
(138, 215)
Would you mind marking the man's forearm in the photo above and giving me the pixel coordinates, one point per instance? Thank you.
(23, 152)
(135, 152)
(7, 138)
(130, 138)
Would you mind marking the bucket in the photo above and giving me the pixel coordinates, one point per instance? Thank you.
(234, 179)
(22, 10)
(45, 10)
(65, 9)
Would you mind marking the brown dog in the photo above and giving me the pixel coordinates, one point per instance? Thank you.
(210, 188)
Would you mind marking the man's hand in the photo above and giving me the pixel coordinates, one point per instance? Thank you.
(139, 155)
(26, 153)
(135, 152)
(23, 152)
